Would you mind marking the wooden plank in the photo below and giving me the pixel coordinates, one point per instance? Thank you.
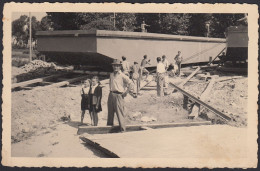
(91, 72)
(113, 129)
(99, 147)
(25, 83)
(189, 77)
(181, 142)
(215, 111)
(63, 83)
(204, 96)
(228, 78)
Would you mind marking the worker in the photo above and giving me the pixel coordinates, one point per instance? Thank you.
(160, 73)
(178, 61)
(125, 66)
(143, 67)
(222, 58)
(120, 85)
(166, 78)
(136, 77)
(143, 27)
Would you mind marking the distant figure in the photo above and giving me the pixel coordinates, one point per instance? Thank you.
(222, 58)
(143, 27)
(136, 77)
(120, 85)
(160, 73)
(165, 62)
(95, 96)
(178, 61)
(125, 66)
(166, 65)
(84, 99)
(143, 67)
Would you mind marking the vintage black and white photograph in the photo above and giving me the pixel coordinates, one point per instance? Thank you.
(132, 84)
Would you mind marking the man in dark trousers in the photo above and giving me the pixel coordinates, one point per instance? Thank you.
(119, 85)
(144, 63)
(178, 59)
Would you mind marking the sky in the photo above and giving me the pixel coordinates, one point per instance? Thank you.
(38, 15)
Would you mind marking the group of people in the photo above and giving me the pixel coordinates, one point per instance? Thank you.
(91, 92)
(124, 79)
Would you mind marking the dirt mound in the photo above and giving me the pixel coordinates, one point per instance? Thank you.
(36, 69)
(39, 66)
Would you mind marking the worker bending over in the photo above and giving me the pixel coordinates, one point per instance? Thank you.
(119, 85)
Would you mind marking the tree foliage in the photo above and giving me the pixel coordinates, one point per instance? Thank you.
(20, 29)
(166, 23)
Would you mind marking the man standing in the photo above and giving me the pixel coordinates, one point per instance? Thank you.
(119, 85)
(136, 77)
(143, 27)
(160, 72)
(166, 78)
(143, 65)
(178, 59)
(125, 66)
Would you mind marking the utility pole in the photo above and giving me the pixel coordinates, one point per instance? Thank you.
(30, 38)
(114, 20)
(207, 27)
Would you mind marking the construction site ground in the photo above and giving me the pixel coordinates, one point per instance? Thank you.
(38, 130)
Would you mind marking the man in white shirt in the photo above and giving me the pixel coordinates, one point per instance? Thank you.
(125, 66)
(160, 71)
(166, 65)
(119, 85)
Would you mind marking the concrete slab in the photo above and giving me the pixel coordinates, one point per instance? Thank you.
(209, 142)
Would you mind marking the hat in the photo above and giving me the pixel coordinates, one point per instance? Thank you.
(116, 62)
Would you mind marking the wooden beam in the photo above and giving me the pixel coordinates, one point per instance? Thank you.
(204, 96)
(189, 77)
(63, 83)
(91, 72)
(25, 83)
(215, 111)
(99, 147)
(144, 83)
(113, 129)
(228, 78)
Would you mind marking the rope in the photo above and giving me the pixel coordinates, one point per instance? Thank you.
(199, 53)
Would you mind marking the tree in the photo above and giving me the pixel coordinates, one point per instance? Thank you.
(174, 24)
(20, 30)
(197, 26)
(64, 20)
(45, 24)
(99, 24)
(125, 21)
(220, 22)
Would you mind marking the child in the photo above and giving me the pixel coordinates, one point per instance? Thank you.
(95, 95)
(84, 98)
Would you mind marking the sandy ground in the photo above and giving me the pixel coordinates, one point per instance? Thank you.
(37, 130)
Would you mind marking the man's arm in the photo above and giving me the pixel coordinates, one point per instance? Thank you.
(130, 85)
